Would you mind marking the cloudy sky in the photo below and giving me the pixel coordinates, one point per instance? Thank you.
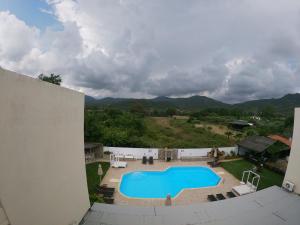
(231, 50)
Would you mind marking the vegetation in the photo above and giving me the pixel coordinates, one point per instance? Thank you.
(150, 123)
(93, 179)
(267, 177)
(268, 123)
(132, 129)
(114, 128)
(54, 79)
(172, 133)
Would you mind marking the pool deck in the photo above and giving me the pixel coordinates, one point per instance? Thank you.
(186, 197)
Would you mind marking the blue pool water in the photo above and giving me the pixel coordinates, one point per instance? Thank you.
(158, 184)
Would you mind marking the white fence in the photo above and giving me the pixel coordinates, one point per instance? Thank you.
(138, 153)
(193, 152)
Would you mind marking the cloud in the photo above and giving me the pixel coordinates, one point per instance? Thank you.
(230, 50)
(16, 38)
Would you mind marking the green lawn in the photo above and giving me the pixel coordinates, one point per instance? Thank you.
(93, 178)
(267, 177)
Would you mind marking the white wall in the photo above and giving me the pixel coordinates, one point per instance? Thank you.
(140, 152)
(293, 169)
(190, 152)
(42, 168)
(137, 152)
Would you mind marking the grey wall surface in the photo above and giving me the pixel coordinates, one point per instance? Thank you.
(293, 169)
(42, 168)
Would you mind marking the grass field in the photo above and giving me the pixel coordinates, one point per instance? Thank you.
(93, 178)
(267, 177)
(177, 133)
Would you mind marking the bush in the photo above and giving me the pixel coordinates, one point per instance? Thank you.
(95, 198)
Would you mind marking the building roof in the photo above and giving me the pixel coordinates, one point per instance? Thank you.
(269, 206)
(240, 123)
(281, 139)
(256, 143)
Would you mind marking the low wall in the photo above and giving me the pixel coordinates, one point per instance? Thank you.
(187, 152)
(137, 152)
(202, 152)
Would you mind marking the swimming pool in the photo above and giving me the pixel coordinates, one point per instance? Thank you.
(158, 184)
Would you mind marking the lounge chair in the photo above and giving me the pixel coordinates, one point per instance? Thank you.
(230, 194)
(108, 194)
(151, 160)
(144, 160)
(220, 196)
(108, 200)
(211, 198)
(103, 189)
(118, 164)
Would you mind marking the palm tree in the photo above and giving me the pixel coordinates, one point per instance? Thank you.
(228, 134)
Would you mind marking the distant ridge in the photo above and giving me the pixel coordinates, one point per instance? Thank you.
(159, 103)
(285, 104)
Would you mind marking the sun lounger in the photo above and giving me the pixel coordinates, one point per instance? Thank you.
(144, 160)
(129, 156)
(211, 198)
(108, 194)
(103, 189)
(220, 196)
(230, 194)
(119, 164)
(108, 200)
(151, 160)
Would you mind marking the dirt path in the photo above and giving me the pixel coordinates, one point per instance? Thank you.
(218, 129)
(165, 122)
(162, 121)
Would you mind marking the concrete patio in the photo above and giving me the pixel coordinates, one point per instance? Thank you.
(186, 197)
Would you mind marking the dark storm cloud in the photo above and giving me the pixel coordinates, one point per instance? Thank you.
(230, 50)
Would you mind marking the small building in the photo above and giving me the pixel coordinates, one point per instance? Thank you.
(239, 124)
(256, 147)
(93, 151)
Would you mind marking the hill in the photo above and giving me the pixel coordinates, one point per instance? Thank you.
(285, 104)
(159, 103)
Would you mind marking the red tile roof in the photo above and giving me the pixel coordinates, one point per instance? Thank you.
(282, 139)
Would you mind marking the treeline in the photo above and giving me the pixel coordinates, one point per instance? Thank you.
(267, 112)
(114, 127)
(266, 122)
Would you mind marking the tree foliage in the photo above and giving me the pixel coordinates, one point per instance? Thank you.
(113, 127)
(54, 79)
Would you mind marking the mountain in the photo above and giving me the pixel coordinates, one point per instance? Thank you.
(159, 103)
(285, 104)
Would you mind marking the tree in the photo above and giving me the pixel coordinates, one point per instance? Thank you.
(54, 79)
(228, 134)
(138, 108)
(289, 121)
(268, 111)
(171, 111)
